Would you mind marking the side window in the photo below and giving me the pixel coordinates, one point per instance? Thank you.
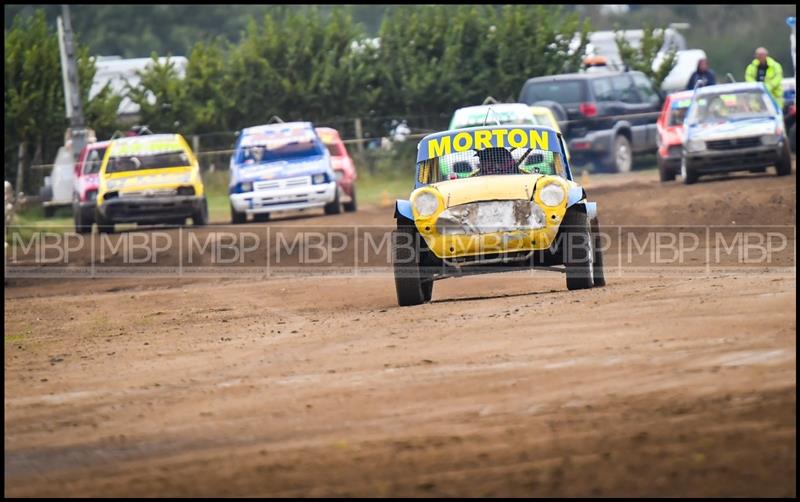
(624, 90)
(602, 89)
(645, 88)
(92, 163)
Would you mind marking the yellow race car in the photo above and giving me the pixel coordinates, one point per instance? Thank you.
(506, 201)
(150, 179)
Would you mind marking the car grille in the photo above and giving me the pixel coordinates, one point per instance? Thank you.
(302, 181)
(734, 143)
(490, 216)
(164, 192)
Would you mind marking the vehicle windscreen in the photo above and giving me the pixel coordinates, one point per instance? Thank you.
(94, 160)
(677, 111)
(723, 107)
(490, 161)
(260, 150)
(146, 160)
(466, 118)
(560, 91)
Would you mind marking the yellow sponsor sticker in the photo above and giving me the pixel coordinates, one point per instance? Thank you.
(479, 140)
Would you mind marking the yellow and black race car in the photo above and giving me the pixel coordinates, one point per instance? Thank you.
(505, 201)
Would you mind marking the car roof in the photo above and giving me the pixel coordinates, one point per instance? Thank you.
(146, 138)
(738, 86)
(497, 106)
(275, 127)
(680, 95)
(98, 144)
(579, 76)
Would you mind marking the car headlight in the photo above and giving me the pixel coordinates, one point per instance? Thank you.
(425, 203)
(695, 145)
(552, 195)
(91, 195)
(770, 139)
(318, 179)
(339, 175)
(247, 186)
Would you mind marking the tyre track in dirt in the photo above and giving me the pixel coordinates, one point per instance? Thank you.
(505, 384)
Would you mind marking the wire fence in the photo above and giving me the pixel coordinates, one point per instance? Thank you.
(367, 139)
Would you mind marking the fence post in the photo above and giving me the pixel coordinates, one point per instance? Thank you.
(359, 136)
(20, 164)
(196, 146)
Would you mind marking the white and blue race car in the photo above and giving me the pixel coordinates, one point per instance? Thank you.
(280, 167)
(734, 127)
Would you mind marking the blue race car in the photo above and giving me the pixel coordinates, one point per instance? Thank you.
(280, 167)
(734, 127)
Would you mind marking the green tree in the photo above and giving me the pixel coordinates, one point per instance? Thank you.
(34, 94)
(159, 95)
(642, 58)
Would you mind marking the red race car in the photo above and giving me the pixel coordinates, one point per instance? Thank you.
(84, 193)
(670, 134)
(343, 166)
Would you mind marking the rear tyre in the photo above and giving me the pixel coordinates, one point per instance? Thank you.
(621, 155)
(665, 173)
(351, 206)
(334, 207)
(577, 249)
(261, 217)
(237, 217)
(200, 217)
(784, 165)
(413, 287)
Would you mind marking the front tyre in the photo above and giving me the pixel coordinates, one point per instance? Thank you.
(413, 288)
(103, 226)
(688, 173)
(237, 217)
(598, 273)
(784, 165)
(665, 173)
(334, 207)
(577, 250)
(200, 217)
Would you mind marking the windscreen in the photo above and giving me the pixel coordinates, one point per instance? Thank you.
(147, 160)
(489, 116)
(261, 148)
(488, 162)
(561, 91)
(722, 107)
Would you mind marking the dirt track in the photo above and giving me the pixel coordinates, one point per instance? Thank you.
(656, 385)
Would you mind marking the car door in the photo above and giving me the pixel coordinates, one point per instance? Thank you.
(649, 96)
(633, 109)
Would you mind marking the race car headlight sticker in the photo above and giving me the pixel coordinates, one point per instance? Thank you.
(552, 195)
(426, 203)
(247, 186)
(770, 139)
(318, 179)
(696, 145)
